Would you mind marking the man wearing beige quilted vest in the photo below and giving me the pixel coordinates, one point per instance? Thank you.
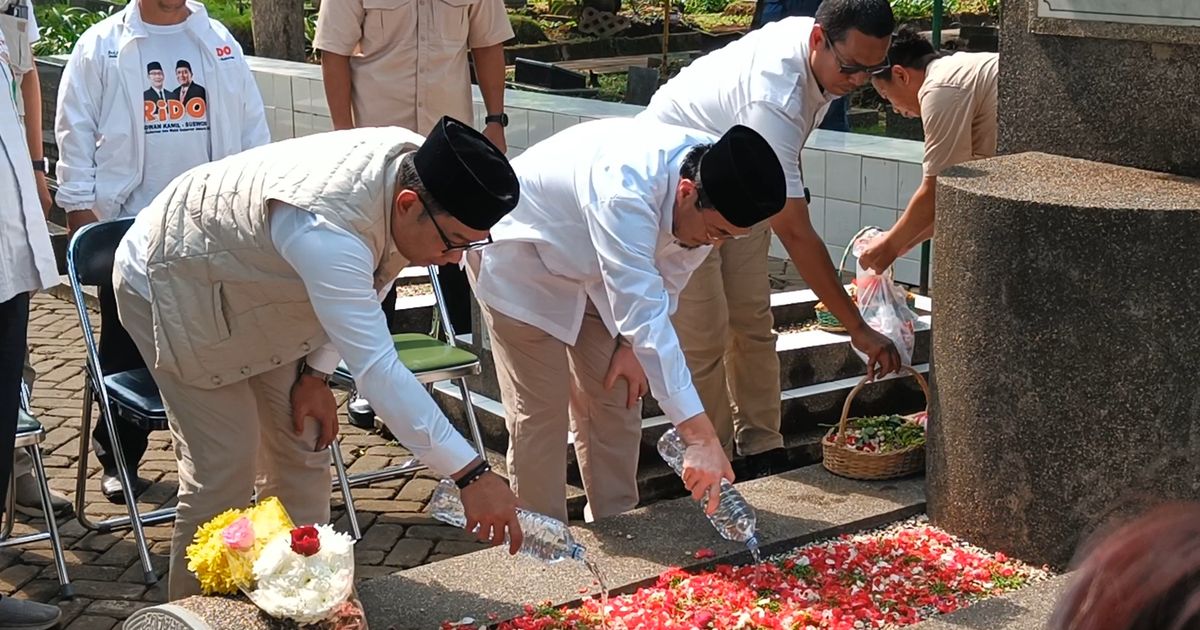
(248, 278)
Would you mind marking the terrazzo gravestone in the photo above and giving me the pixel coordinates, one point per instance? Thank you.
(1107, 80)
(1065, 350)
(1064, 393)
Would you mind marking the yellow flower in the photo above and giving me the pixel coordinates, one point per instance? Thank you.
(207, 557)
(269, 519)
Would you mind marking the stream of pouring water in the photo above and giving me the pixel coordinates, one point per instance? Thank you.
(599, 575)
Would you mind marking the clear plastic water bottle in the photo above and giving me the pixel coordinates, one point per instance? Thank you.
(734, 519)
(546, 538)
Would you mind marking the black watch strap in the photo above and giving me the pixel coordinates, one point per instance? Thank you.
(501, 118)
(473, 475)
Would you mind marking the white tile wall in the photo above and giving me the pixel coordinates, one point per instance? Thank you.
(879, 180)
(541, 126)
(855, 180)
(842, 220)
(562, 121)
(843, 176)
(813, 164)
(909, 179)
(816, 214)
(879, 217)
(517, 132)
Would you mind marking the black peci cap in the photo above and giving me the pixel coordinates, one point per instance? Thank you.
(742, 177)
(466, 174)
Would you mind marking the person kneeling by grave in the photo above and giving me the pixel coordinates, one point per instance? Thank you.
(244, 282)
(578, 289)
(955, 97)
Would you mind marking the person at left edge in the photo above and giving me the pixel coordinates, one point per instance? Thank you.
(119, 146)
(249, 278)
(26, 265)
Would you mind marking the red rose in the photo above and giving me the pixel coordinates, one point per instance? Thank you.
(305, 540)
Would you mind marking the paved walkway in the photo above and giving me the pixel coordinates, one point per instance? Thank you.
(104, 567)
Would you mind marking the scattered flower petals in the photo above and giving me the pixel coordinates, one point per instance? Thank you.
(703, 554)
(895, 576)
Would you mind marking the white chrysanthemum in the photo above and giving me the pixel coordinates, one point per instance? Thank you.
(304, 589)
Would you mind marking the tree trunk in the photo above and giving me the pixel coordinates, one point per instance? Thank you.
(279, 29)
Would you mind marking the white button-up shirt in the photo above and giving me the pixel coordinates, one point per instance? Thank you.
(26, 257)
(762, 81)
(595, 222)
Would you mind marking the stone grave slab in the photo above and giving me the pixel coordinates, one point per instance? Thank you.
(634, 548)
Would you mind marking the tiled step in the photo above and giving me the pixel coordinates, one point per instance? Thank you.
(805, 357)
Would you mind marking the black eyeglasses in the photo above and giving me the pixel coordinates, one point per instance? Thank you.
(854, 68)
(455, 247)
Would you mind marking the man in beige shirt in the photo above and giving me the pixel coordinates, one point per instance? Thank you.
(955, 96)
(404, 63)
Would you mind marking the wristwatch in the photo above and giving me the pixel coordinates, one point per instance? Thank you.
(306, 369)
(501, 118)
(41, 166)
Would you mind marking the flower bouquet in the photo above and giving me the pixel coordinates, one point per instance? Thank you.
(304, 574)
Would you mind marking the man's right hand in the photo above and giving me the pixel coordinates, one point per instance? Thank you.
(78, 219)
(704, 461)
(491, 506)
(882, 356)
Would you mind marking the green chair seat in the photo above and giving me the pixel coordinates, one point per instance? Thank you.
(27, 423)
(422, 353)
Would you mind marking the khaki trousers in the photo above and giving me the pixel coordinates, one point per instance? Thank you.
(548, 388)
(724, 324)
(225, 439)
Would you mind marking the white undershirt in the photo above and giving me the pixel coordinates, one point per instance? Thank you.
(338, 272)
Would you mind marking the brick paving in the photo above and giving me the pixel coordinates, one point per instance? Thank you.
(104, 567)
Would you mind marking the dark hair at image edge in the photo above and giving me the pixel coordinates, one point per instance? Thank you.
(910, 49)
(1143, 575)
(690, 169)
(873, 17)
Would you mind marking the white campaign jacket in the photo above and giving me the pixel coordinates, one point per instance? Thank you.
(595, 222)
(99, 126)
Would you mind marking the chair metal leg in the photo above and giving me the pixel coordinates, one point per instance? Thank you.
(339, 466)
(35, 453)
(135, 520)
(10, 508)
(471, 421)
(130, 501)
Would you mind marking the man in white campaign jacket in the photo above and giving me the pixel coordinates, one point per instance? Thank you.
(578, 288)
(124, 133)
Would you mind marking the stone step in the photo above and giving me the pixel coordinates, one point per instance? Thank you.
(808, 408)
(806, 357)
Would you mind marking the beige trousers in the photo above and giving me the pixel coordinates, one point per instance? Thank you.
(724, 324)
(225, 439)
(548, 388)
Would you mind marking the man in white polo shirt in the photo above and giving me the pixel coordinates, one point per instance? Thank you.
(779, 81)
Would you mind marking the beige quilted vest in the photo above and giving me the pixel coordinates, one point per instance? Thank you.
(226, 305)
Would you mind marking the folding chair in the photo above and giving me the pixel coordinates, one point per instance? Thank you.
(130, 397)
(30, 436)
(430, 360)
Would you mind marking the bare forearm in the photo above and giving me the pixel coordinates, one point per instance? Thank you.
(489, 71)
(808, 253)
(335, 71)
(31, 95)
(916, 224)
